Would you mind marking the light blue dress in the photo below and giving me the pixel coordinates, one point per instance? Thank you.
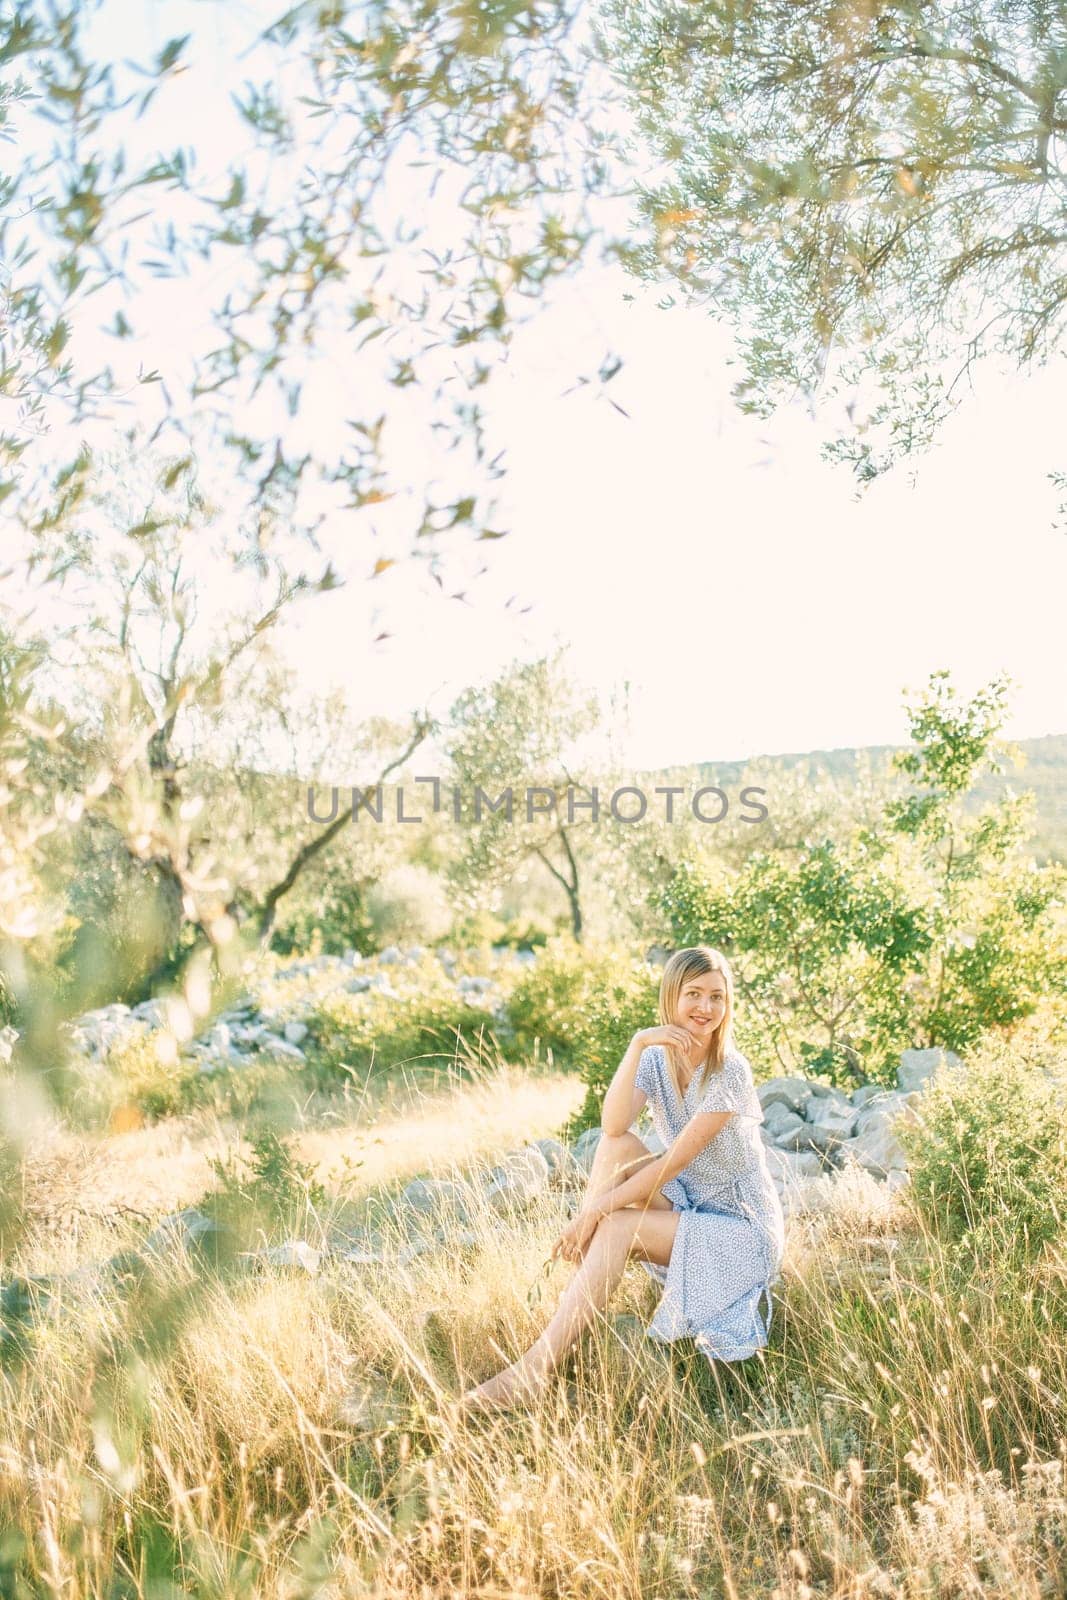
(731, 1232)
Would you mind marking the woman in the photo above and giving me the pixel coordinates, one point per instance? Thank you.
(703, 1218)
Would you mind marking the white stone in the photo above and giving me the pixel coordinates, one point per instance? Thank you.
(470, 985)
(793, 1093)
(881, 1110)
(790, 1167)
(832, 1115)
(778, 1121)
(273, 1046)
(428, 1196)
(585, 1147)
(293, 1253)
(521, 1176)
(877, 1150)
(918, 1066)
(296, 1032)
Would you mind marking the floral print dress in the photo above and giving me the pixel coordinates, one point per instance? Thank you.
(731, 1232)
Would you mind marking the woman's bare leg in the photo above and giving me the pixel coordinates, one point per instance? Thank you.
(618, 1157)
(621, 1235)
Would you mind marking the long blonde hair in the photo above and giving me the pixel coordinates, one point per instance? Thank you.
(683, 965)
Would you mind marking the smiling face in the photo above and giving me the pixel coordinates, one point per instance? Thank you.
(702, 1005)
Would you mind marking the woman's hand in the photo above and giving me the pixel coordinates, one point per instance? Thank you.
(671, 1033)
(574, 1240)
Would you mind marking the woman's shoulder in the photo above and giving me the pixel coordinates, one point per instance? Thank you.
(737, 1065)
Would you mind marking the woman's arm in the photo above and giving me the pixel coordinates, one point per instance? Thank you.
(620, 1105)
(699, 1131)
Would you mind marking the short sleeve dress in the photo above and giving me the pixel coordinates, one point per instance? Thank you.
(731, 1234)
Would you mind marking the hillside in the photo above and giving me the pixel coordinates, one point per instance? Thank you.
(1043, 770)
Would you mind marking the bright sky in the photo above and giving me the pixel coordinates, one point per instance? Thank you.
(708, 561)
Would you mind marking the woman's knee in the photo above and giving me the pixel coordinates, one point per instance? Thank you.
(617, 1228)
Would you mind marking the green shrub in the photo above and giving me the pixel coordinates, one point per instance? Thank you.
(626, 1001)
(331, 923)
(479, 929)
(368, 1030)
(550, 1001)
(265, 1195)
(532, 934)
(408, 905)
(988, 1154)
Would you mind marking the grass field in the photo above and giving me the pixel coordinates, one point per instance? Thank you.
(273, 1433)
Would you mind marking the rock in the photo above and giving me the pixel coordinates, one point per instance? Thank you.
(876, 1150)
(778, 1121)
(153, 1013)
(414, 955)
(554, 1152)
(809, 1136)
(432, 1196)
(351, 958)
(881, 1110)
(865, 1092)
(519, 1178)
(293, 1253)
(183, 1230)
(219, 1040)
(390, 956)
(918, 1066)
(469, 985)
(363, 1256)
(25, 1298)
(416, 1247)
(791, 1167)
(657, 955)
(295, 1032)
(652, 1140)
(832, 1114)
(793, 1093)
(585, 1146)
(358, 985)
(8, 1038)
(273, 1046)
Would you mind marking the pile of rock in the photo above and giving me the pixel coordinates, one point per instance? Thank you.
(249, 1031)
(811, 1129)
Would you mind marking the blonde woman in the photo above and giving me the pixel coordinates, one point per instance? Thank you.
(703, 1218)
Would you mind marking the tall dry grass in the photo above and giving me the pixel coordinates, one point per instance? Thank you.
(202, 1431)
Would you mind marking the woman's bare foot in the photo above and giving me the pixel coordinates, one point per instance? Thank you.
(508, 1388)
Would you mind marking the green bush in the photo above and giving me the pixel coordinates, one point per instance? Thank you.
(988, 1153)
(626, 1001)
(408, 904)
(267, 1195)
(331, 923)
(137, 1078)
(372, 1030)
(550, 1001)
